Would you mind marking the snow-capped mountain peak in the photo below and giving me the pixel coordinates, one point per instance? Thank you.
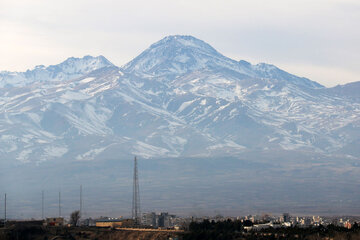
(70, 68)
(182, 41)
(178, 55)
(84, 65)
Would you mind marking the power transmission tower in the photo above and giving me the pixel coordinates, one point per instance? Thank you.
(136, 196)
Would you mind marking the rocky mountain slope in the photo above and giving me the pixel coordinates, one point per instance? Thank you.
(179, 98)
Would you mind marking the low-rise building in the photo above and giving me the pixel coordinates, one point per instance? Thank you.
(114, 223)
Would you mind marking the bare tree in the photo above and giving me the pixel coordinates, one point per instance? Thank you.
(74, 218)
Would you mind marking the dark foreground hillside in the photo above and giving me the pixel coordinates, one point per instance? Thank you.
(198, 231)
(43, 233)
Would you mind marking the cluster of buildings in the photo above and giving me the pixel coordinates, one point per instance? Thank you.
(165, 220)
(161, 220)
(259, 222)
(286, 220)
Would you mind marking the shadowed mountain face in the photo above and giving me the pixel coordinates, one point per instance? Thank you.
(350, 90)
(178, 99)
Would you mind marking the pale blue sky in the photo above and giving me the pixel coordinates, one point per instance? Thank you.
(318, 39)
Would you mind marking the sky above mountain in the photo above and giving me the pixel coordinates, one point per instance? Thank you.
(315, 39)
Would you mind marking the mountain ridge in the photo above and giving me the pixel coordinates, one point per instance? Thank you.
(70, 68)
(179, 98)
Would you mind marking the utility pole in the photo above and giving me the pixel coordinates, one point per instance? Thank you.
(5, 211)
(42, 204)
(136, 195)
(80, 200)
(59, 204)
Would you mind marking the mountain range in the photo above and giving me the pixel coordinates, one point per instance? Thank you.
(178, 98)
(212, 135)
